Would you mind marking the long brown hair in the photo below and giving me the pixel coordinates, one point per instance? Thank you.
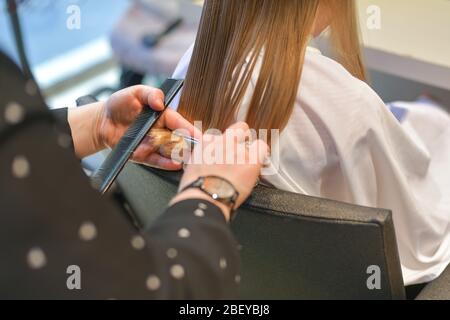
(345, 36)
(233, 35)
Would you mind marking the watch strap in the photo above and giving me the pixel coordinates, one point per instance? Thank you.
(198, 184)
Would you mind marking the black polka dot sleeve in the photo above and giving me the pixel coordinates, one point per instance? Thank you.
(200, 254)
(59, 239)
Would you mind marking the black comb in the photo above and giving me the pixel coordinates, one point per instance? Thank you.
(110, 169)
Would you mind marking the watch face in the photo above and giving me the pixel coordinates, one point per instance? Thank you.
(219, 188)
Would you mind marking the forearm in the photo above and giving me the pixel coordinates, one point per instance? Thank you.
(198, 194)
(83, 123)
(201, 258)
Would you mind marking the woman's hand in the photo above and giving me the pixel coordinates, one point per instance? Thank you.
(101, 125)
(242, 170)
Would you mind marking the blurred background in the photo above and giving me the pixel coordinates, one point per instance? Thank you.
(79, 47)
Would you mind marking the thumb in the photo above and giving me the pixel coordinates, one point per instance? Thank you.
(152, 97)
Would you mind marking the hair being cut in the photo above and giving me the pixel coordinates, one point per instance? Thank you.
(237, 35)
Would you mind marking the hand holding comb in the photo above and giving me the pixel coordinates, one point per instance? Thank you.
(110, 169)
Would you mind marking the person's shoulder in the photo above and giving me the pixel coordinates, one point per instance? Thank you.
(328, 71)
(336, 87)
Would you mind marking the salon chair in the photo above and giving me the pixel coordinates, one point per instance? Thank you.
(294, 246)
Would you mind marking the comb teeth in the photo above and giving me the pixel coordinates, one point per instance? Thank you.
(139, 124)
(105, 176)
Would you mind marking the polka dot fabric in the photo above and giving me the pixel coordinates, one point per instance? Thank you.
(51, 220)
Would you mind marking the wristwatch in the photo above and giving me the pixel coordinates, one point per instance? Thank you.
(218, 188)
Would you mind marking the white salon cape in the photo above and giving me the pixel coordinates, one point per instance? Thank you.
(343, 143)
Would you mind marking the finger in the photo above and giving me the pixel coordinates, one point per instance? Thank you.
(245, 136)
(240, 132)
(152, 97)
(175, 121)
(161, 162)
(240, 126)
(238, 136)
(143, 152)
(260, 149)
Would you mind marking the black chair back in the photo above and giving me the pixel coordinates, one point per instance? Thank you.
(294, 246)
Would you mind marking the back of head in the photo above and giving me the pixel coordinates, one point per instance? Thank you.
(234, 36)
